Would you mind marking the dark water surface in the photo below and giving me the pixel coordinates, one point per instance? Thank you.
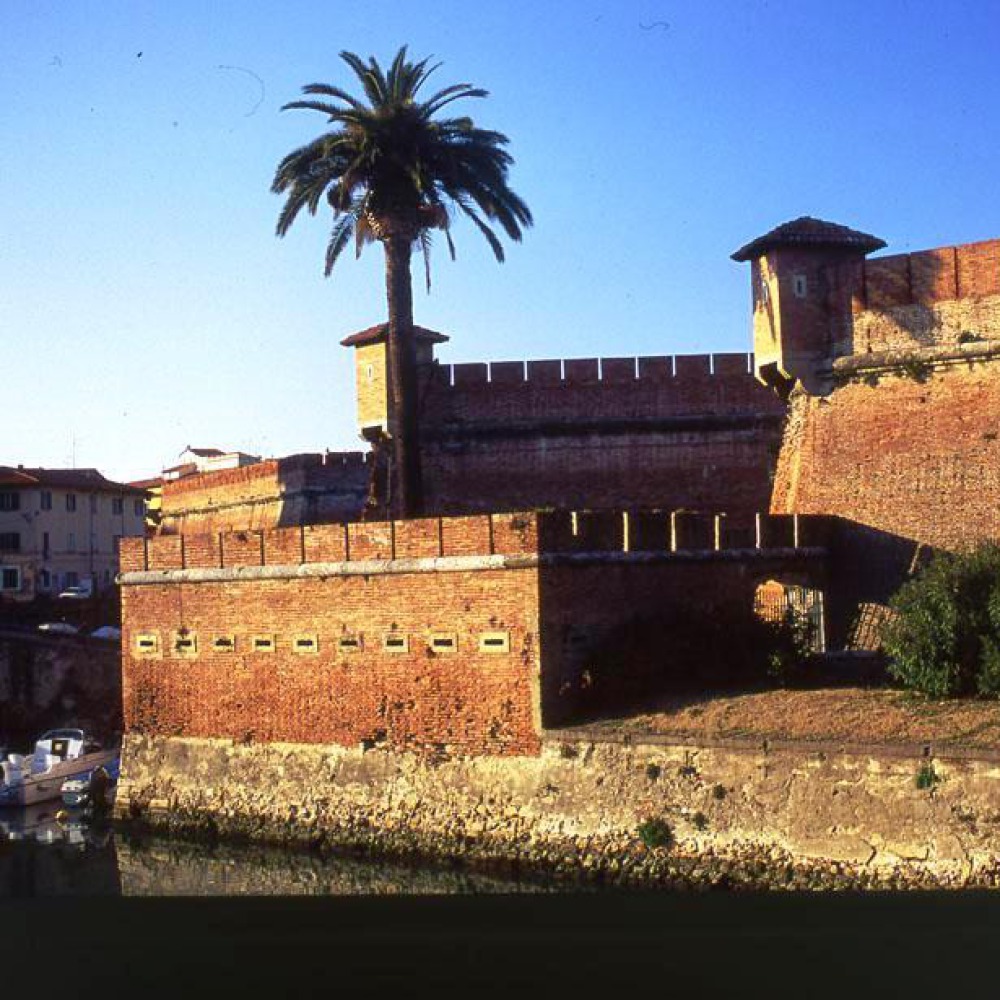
(44, 854)
(106, 915)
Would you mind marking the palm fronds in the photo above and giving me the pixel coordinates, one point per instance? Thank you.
(388, 156)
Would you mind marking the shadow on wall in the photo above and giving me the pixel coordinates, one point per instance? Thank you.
(906, 289)
(866, 567)
(53, 683)
(617, 635)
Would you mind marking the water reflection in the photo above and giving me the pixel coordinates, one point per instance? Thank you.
(47, 851)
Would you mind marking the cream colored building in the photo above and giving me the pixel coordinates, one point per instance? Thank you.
(60, 527)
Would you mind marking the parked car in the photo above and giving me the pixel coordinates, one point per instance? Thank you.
(79, 592)
(61, 628)
(110, 632)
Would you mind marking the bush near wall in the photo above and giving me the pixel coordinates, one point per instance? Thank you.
(944, 638)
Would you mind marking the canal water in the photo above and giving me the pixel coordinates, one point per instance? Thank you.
(44, 852)
(108, 914)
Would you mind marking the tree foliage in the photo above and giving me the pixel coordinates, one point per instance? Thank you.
(394, 160)
(944, 638)
(393, 169)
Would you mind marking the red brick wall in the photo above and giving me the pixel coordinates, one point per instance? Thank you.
(504, 534)
(267, 494)
(465, 701)
(918, 459)
(932, 298)
(468, 701)
(585, 432)
(710, 470)
(584, 606)
(930, 276)
(592, 388)
(462, 702)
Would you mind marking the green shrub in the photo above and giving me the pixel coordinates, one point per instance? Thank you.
(944, 638)
(927, 777)
(655, 832)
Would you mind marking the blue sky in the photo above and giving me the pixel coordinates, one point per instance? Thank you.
(145, 303)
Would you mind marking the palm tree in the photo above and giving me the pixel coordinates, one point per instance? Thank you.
(392, 171)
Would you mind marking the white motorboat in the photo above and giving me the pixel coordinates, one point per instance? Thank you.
(60, 755)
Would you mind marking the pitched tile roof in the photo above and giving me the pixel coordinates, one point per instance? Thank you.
(810, 232)
(63, 479)
(375, 334)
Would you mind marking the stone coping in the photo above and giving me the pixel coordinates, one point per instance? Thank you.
(452, 564)
(854, 364)
(756, 744)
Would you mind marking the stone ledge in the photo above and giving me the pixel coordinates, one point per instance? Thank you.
(451, 564)
(756, 744)
(890, 361)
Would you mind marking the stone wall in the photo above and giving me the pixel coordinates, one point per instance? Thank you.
(581, 801)
(48, 683)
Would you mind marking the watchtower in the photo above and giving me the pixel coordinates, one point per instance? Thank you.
(371, 357)
(795, 278)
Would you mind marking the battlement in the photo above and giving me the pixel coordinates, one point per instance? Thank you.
(573, 372)
(969, 270)
(517, 534)
(267, 471)
(507, 393)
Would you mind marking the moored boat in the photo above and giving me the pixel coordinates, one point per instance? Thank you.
(60, 755)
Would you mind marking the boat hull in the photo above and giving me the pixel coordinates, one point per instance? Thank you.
(43, 787)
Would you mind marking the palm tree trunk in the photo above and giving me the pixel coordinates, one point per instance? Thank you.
(406, 479)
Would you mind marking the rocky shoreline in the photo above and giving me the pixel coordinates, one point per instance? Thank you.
(564, 863)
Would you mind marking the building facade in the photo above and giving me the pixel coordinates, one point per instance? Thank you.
(62, 527)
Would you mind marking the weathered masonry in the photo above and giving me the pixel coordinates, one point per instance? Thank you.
(696, 431)
(446, 635)
(892, 368)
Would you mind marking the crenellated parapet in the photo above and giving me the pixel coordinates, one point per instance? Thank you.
(513, 393)
(307, 487)
(933, 299)
(535, 534)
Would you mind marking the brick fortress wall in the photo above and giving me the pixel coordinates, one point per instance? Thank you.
(688, 431)
(903, 446)
(357, 650)
(441, 635)
(939, 297)
(310, 488)
(913, 453)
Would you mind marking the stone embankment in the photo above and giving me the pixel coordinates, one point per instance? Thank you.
(738, 816)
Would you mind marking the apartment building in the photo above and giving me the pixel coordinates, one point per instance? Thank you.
(61, 527)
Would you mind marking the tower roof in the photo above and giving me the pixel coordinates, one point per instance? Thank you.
(809, 232)
(376, 334)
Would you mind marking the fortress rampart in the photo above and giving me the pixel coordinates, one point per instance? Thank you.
(909, 445)
(292, 490)
(590, 390)
(445, 635)
(685, 430)
(940, 297)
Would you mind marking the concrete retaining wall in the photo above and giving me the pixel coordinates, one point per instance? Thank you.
(582, 801)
